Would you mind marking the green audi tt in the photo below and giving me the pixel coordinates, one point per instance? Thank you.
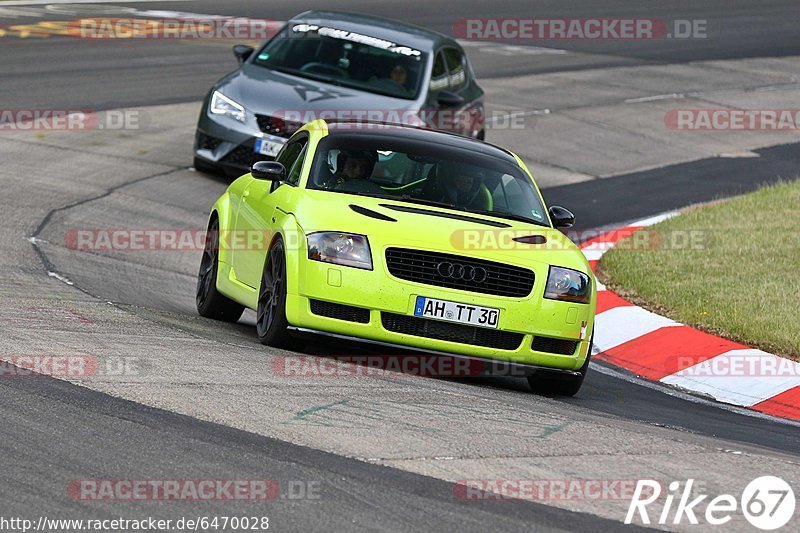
(406, 237)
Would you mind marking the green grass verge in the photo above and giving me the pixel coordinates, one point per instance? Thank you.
(731, 268)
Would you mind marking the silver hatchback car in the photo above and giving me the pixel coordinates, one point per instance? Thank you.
(335, 66)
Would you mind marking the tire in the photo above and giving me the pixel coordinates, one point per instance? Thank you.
(210, 302)
(557, 384)
(271, 323)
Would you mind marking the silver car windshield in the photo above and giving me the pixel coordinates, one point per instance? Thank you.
(435, 175)
(345, 58)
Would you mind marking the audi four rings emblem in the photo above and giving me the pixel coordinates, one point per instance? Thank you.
(461, 272)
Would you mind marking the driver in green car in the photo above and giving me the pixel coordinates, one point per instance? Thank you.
(463, 186)
(352, 165)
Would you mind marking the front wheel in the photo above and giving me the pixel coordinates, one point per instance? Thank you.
(271, 323)
(210, 302)
(556, 384)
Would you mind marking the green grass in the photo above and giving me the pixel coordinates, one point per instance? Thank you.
(737, 275)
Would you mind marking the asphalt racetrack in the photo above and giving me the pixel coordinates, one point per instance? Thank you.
(374, 452)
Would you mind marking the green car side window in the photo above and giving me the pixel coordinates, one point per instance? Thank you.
(293, 175)
(292, 159)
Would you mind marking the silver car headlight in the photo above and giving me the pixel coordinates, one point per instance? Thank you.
(340, 248)
(568, 285)
(222, 105)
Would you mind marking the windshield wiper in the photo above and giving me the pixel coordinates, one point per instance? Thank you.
(510, 216)
(306, 75)
(369, 194)
(404, 198)
(499, 214)
(325, 79)
(413, 200)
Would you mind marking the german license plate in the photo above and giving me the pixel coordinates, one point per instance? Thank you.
(473, 315)
(269, 146)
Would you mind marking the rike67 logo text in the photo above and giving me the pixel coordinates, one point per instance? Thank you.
(768, 503)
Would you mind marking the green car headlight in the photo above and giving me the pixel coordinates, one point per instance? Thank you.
(341, 248)
(222, 105)
(568, 285)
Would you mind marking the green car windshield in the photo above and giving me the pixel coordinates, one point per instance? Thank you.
(345, 58)
(437, 175)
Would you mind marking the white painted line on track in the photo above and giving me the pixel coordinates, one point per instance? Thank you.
(672, 96)
(738, 155)
(649, 221)
(59, 277)
(490, 47)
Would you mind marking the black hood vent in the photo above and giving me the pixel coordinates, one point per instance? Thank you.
(444, 214)
(370, 213)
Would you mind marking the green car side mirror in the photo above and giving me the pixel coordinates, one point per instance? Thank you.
(268, 170)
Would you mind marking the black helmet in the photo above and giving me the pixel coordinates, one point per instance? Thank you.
(455, 170)
(365, 155)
